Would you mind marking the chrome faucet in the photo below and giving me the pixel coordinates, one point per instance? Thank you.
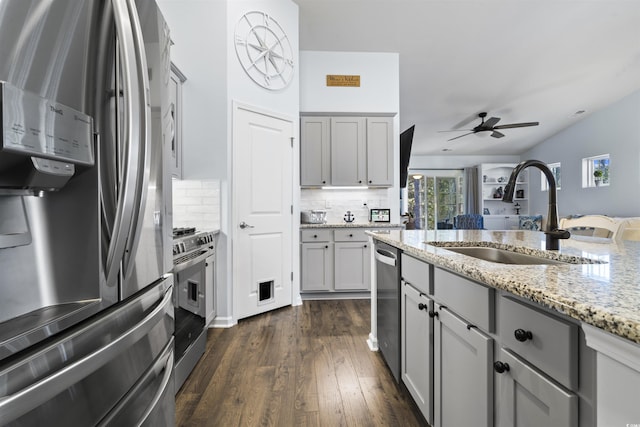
(552, 232)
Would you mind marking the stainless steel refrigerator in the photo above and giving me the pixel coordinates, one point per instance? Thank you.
(86, 312)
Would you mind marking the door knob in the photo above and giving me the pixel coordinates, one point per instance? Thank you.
(244, 225)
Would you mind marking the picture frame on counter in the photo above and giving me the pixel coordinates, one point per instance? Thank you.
(379, 215)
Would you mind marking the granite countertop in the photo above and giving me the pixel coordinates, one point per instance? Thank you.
(353, 225)
(605, 294)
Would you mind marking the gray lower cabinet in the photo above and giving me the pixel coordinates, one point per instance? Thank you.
(463, 374)
(352, 266)
(526, 398)
(317, 266)
(335, 260)
(417, 348)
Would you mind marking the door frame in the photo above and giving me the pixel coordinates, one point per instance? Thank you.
(295, 196)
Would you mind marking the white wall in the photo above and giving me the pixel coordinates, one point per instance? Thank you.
(378, 93)
(456, 162)
(614, 130)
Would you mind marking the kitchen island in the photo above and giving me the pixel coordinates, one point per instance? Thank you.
(596, 291)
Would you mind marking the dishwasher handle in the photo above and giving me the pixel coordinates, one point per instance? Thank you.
(386, 257)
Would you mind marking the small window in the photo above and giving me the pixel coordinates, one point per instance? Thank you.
(555, 170)
(595, 171)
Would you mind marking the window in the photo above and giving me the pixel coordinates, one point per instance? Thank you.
(555, 170)
(595, 171)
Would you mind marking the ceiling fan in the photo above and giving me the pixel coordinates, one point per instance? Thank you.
(490, 126)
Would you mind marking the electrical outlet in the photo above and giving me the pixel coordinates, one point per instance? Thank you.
(328, 204)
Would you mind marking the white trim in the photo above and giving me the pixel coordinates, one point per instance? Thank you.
(618, 349)
(223, 322)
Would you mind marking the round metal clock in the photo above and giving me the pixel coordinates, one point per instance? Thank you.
(264, 50)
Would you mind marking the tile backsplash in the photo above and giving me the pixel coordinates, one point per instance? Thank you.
(337, 202)
(196, 203)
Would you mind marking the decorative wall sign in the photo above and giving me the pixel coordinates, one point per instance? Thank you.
(342, 80)
(264, 50)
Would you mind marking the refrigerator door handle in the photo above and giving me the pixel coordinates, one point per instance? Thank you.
(128, 190)
(142, 113)
(34, 395)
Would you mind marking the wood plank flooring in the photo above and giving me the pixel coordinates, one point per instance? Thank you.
(296, 366)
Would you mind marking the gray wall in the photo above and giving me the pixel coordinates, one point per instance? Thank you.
(614, 130)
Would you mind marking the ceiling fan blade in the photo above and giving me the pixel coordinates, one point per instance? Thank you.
(460, 136)
(497, 134)
(517, 125)
(455, 130)
(491, 122)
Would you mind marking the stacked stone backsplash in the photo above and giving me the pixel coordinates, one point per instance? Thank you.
(196, 203)
(338, 202)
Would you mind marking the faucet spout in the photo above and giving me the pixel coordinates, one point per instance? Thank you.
(553, 234)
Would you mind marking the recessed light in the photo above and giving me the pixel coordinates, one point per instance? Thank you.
(579, 112)
(447, 149)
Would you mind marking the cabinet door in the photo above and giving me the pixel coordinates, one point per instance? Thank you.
(526, 398)
(175, 123)
(352, 266)
(315, 154)
(380, 151)
(348, 151)
(463, 375)
(417, 348)
(317, 266)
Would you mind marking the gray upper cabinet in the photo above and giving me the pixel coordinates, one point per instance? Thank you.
(175, 109)
(315, 151)
(346, 151)
(380, 151)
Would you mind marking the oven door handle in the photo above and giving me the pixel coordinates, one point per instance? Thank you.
(193, 261)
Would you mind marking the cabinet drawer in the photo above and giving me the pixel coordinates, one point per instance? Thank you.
(549, 343)
(350, 235)
(316, 235)
(416, 273)
(471, 300)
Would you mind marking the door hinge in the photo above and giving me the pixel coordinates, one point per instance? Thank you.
(291, 209)
(292, 138)
(292, 276)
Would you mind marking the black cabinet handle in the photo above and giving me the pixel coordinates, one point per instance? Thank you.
(350, 235)
(326, 247)
(315, 236)
(522, 335)
(433, 314)
(370, 181)
(501, 367)
(360, 182)
(422, 306)
(324, 182)
(365, 246)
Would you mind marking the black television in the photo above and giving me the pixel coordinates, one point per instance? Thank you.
(406, 139)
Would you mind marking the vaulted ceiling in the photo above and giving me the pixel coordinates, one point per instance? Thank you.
(519, 60)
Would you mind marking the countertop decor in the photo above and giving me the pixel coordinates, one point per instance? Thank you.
(353, 225)
(605, 293)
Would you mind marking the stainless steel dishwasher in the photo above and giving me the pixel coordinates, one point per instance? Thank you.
(388, 305)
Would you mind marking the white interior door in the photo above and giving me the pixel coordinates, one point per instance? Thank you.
(262, 222)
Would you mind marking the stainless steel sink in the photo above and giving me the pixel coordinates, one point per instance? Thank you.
(501, 255)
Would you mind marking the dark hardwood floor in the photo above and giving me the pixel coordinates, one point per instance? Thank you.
(296, 366)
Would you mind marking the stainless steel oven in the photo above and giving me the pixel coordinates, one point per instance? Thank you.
(190, 253)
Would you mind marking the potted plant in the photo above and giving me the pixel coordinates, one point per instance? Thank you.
(597, 175)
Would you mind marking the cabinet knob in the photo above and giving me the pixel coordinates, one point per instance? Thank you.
(326, 246)
(433, 313)
(501, 367)
(370, 181)
(350, 235)
(315, 236)
(365, 246)
(522, 335)
(324, 182)
(360, 182)
(422, 306)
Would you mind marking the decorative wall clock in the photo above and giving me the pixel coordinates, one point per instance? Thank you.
(264, 50)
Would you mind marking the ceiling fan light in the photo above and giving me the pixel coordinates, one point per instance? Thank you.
(484, 133)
